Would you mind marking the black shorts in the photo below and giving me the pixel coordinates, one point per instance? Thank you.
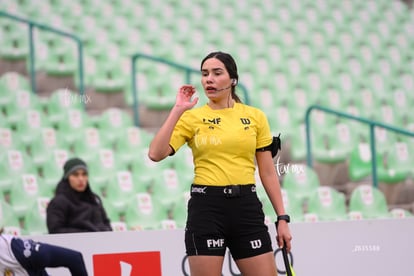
(226, 217)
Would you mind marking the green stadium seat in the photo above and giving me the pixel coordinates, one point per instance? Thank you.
(335, 144)
(61, 59)
(34, 220)
(24, 194)
(300, 181)
(328, 204)
(120, 190)
(89, 140)
(15, 45)
(298, 144)
(51, 171)
(30, 125)
(15, 161)
(59, 104)
(282, 120)
(129, 141)
(7, 216)
(112, 122)
(72, 125)
(397, 163)
(400, 213)
(10, 82)
(360, 162)
(369, 201)
(292, 206)
(102, 165)
(167, 187)
(41, 150)
(9, 139)
(179, 209)
(109, 78)
(119, 226)
(21, 101)
(144, 164)
(143, 213)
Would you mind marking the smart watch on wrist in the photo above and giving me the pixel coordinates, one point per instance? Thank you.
(282, 217)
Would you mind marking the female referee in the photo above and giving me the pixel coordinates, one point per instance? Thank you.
(225, 137)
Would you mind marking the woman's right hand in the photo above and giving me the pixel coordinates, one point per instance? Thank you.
(184, 97)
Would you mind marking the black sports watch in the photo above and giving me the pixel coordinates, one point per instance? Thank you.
(282, 217)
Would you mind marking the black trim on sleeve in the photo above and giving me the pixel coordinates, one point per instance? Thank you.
(173, 151)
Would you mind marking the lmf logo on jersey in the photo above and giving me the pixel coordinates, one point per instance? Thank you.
(214, 121)
(256, 244)
(127, 264)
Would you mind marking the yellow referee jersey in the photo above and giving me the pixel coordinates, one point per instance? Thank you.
(223, 142)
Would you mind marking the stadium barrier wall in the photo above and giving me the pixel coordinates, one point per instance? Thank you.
(364, 247)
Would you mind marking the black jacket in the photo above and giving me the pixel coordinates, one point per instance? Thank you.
(70, 211)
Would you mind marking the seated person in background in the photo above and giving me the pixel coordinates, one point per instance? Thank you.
(27, 257)
(75, 208)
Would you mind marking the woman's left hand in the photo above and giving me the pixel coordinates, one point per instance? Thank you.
(283, 235)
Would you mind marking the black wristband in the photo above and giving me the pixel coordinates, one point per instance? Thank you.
(282, 217)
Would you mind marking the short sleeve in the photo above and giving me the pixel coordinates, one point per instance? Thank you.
(264, 136)
(182, 132)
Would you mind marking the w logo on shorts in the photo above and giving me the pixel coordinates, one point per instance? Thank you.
(256, 244)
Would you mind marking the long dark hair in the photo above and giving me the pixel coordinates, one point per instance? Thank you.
(231, 68)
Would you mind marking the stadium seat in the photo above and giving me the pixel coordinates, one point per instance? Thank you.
(21, 101)
(143, 213)
(102, 165)
(7, 216)
(41, 150)
(112, 122)
(360, 162)
(340, 141)
(108, 78)
(30, 125)
(9, 82)
(9, 139)
(89, 140)
(15, 47)
(397, 163)
(24, 194)
(178, 212)
(292, 205)
(51, 171)
(400, 213)
(369, 201)
(327, 204)
(300, 181)
(61, 60)
(120, 190)
(129, 142)
(72, 125)
(59, 102)
(34, 220)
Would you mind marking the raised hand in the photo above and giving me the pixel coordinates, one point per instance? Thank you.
(184, 98)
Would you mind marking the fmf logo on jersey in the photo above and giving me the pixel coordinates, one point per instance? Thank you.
(127, 264)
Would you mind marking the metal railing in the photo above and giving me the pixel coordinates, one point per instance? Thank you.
(371, 123)
(32, 53)
(188, 71)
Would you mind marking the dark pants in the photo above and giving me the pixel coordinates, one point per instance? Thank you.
(36, 256)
